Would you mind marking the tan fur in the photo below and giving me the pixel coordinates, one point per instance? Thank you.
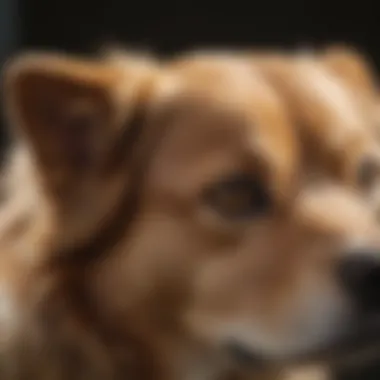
(116, 262)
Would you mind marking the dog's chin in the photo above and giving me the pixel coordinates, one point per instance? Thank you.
(360, 344)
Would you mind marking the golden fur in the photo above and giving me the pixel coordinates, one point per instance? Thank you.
(123, 256)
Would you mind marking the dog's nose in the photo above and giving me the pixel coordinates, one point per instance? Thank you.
(359, 272)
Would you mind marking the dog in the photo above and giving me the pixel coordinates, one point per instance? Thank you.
(183, 219)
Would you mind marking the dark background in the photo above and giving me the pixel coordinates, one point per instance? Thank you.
(172, 26)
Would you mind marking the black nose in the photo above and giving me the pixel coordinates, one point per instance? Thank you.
(359, 273)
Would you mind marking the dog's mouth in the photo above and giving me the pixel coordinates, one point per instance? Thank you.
(360, 344)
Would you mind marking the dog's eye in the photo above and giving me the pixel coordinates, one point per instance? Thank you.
(238, 197)
(368, 173)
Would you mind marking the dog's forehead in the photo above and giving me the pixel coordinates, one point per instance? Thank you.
(224, 108)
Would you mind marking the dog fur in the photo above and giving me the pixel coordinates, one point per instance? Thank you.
(120, 259)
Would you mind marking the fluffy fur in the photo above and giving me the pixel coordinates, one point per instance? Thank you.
(123, 254)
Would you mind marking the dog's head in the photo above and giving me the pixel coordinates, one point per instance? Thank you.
(200, 206)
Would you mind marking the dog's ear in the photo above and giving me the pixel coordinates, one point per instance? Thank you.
(325, 94)
(352, 66)
(357, 71)
(69, 113)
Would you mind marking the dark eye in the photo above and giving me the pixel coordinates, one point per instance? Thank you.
(238, 197)
(368, 173)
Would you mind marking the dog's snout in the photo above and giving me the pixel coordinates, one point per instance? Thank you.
(359, 273)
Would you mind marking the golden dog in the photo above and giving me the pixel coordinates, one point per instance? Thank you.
(175, 220)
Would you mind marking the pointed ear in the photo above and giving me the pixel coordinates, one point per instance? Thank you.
(352, 66)
(358, 72)
(69, 113)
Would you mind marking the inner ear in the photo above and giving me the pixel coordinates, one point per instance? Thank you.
(66, 115)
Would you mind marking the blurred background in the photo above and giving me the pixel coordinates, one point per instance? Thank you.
(81, 26)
